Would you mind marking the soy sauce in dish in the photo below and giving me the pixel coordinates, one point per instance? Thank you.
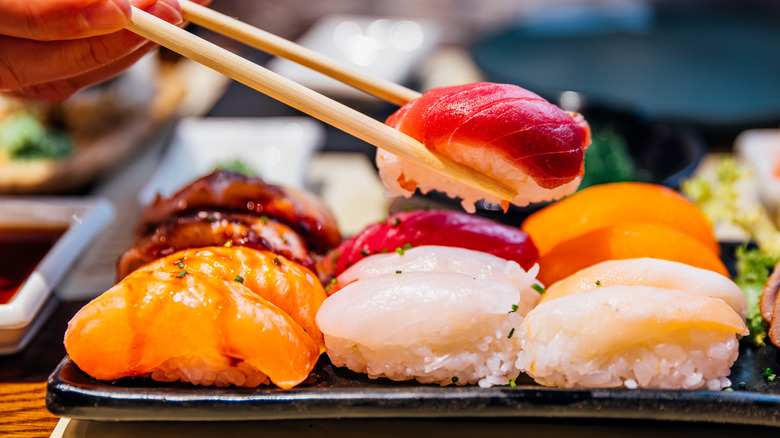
(21, 249)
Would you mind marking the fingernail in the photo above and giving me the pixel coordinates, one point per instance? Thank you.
(103, 15)
(167, 12)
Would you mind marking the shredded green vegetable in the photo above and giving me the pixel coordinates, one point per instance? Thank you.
(24, 137)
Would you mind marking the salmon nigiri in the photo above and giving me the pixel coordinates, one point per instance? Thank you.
(192, 328)
(289, 286)
(500, 130)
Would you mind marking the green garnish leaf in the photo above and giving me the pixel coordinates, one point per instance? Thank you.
(538, 287)
(407, 246)
(364, 253)
(511, 333)
(277, 262)
(181, 274)
(514, 308)
(398, 272)
(239, 279)
(512, 384)
(454, 379)
(753, 270)
(400, 251)
(395, 222)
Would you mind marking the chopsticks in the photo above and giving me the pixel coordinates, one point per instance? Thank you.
(275, 45)
(308, 101)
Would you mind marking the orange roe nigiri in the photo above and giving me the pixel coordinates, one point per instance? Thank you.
(626, 241)
(614, 204)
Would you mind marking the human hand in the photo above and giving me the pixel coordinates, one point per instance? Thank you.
(49, 49)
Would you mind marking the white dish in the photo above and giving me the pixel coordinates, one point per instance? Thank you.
(387, 48)
(278, 149)
(83, 219)
(760, 149)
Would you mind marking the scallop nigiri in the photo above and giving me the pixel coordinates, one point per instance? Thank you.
(655, 273)
(632, 336)
(192, 328)
(434, 327)
(501, 130)
(432, 258)
(288, 285)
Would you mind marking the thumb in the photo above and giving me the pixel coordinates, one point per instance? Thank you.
(62, 19)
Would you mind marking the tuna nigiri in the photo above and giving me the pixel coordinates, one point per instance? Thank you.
(431, 227)
(632, 336)
(188, 327)
(501, 130)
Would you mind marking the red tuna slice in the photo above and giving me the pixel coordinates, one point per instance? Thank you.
(536, 137)
(432, 227)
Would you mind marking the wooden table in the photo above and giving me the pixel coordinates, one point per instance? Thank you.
(23, 379)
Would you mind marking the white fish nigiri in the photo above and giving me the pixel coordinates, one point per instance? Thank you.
(435, 327)
(652, 272)
(434, 258)
(632, 336)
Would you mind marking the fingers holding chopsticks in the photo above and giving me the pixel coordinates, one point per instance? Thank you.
(50, 49)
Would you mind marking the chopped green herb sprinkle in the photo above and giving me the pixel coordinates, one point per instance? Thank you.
(407, 246)
(598, 282)
(397, 272)
(395, 222)
(771, 378)
(767, 372)
(511, 333)
(383, 250)
(364, 253)
(454, 379)
(399, 250)
(228, 244)
(408, 208)
(728, 389)
(512, 383)
(181, 274)
(514, 308)
(742, 385)
(327, 288)
(537, 287)
(239, 279)
(264, 219)
(277, 262)
(427, 207)
(211, 219)
(334, 280)
(769, 375)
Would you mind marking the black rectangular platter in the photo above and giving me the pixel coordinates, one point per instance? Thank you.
(333, 392)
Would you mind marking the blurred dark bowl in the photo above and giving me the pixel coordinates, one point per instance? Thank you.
(663, 154)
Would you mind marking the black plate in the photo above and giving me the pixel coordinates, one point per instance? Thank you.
(338, 393)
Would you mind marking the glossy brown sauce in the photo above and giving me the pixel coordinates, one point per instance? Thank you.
(21, 249)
